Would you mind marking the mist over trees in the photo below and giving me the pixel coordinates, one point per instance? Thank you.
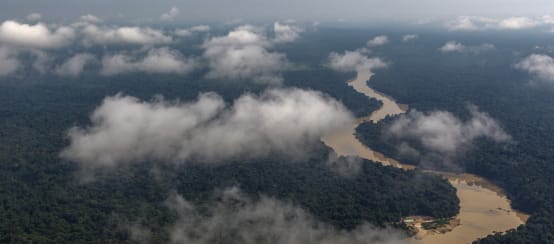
(236, 133)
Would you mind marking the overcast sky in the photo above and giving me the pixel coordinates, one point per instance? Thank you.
(250, 10)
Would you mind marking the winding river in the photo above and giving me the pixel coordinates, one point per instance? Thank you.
(484, 208)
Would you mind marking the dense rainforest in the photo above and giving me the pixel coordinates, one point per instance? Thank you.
(429, 80)
(42, 199)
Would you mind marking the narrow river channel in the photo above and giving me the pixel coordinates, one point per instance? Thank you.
(484, 208)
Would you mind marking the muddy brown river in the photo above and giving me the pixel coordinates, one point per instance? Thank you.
(484, 208)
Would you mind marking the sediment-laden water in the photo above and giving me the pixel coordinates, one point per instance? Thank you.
(484, 208)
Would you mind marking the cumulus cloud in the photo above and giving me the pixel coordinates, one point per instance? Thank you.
(41, 61)
(171, 14)
(243, 54)
(236, 218)
(90, 18)
(354, 61)
(192, 30)
(126, 130)
(517, 23)
(285, 33)
(454, 46)
(409, 37)
(74, 65)
(93, 34)
(33, 17)
(42, 36)
(378, 41)
(540, 65)
(9, 62)
(34, 36)
(156, 60)
(443, 133)
(478, 23)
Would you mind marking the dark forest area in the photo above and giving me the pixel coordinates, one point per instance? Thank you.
(523, 108)
(42, 199)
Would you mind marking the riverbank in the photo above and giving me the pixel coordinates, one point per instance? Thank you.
(484, 208)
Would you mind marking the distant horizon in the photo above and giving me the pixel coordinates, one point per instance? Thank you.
(350, 11)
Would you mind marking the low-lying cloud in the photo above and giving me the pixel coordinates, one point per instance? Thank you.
(9, 62)
(42, 36)
(409, 37)
(540, 65)
(74, 65)
(171, 14)
(454, 46)
(38, 35)
(94, 34)
(443, 133)
(354, 61)
(478, 23)
(156, 60)
(243, 54)
(126, 130)
(41, 61)
(378, 41)
(192, 30)
(285, 33)
(236, 218)
(91, 18)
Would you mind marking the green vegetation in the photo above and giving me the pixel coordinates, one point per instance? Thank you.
(435, 224)
(42, 200)
(428, 80)
(378, 194)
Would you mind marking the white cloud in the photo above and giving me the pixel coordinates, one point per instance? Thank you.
(171, 15)
(243, 55)
(469, 23)
(9, 62)
(378, 41)
(34, 36)
(41, 60)
(517, 23)
(285, 33)
(125, 130)
(478, 23)
(242, 35)
(409, 37)
(267, 220)
(354, 61)
(443, 133)
(91, 18)
(454, 46)
(33, 17)
(94, 34)
(192, 30)
(73, 66)
(156, 60)
(540, 65)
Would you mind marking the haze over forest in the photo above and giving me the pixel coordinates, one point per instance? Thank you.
(276, 122)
